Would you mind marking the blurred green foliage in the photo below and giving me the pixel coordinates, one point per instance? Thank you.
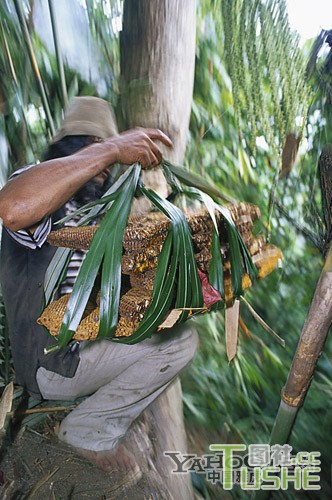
(237, 401)
(243, 397)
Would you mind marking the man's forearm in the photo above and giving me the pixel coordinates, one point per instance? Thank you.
(41, 190)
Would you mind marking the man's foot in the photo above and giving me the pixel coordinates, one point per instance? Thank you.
(119, 463)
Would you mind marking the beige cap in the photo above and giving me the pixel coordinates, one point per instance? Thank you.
(88, 116)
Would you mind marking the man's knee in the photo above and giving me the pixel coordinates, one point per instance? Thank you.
(193, 342)
(186, 339)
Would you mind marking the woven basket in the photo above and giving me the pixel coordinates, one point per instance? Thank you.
(142, 244)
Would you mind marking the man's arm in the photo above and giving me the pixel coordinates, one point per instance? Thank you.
(40, 191)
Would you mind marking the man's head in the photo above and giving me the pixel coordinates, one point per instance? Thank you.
(87, 119)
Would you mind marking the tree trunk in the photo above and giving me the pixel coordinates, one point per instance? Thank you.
(157, 72)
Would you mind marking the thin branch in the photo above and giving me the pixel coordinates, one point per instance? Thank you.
(30, 411)
(310, 235)
(41, 482)
(16, 86)
(33, 60)
(58, 52)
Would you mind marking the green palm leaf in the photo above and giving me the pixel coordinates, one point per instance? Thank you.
(194, 180)
(111, 271)
(162, 297)
(83, 286)
(235, 255)
(199, 187)
(189, 287)
(240, 258)
(177, 283)
(55, 273)
(216, 270)
(59, 263)
(176, 262)
(101, 250)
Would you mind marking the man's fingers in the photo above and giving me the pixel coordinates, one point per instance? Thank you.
(156, 152)
(157, 134)
(138, 145)
(149, 160)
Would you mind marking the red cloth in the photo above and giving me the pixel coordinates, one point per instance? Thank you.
(210, 294)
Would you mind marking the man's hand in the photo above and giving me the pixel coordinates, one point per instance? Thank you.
(41, 190)
(137, 145)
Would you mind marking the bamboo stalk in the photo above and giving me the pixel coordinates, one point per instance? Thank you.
(58, 53)
(8, 54)
(27, 39)
(313, 336)
(16, 86)
(310, 347)
(283, 423)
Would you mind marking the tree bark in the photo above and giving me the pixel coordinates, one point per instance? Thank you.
(157, 48)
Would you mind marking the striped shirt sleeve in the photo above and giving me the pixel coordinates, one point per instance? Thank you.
(24, 236)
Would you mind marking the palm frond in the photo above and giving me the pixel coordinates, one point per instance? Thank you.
(216, 271)
(239, 255)
(115, 222)
(162, 296)
(177, 283)
(177, 277)
(108, 239)
(191, 179)
(55, 273)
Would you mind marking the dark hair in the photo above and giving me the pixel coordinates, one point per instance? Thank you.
(67, 146)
